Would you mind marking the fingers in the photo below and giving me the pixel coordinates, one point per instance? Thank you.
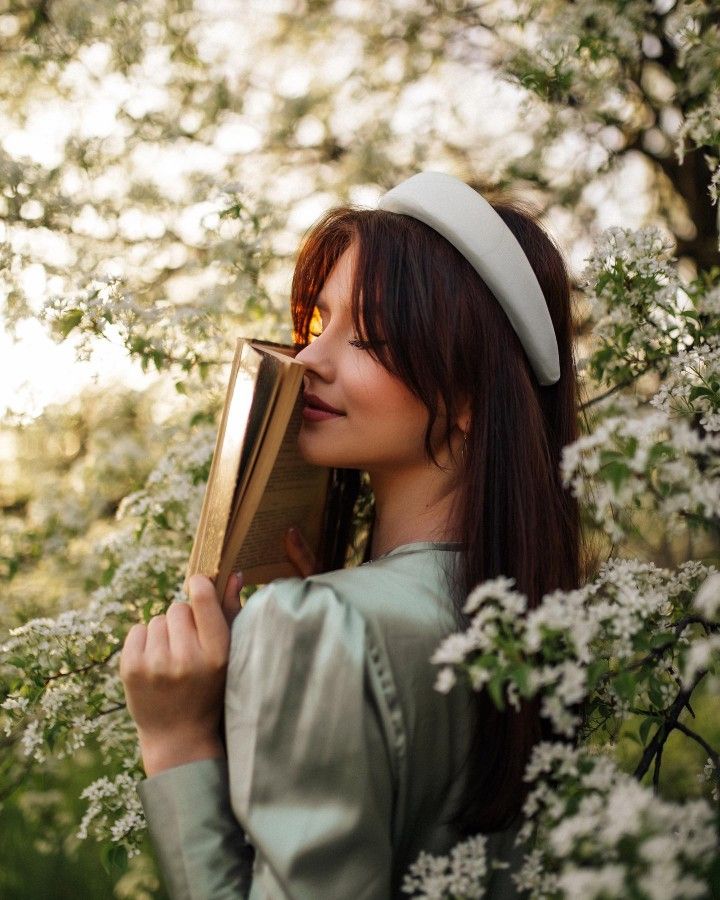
(157, 645)
(133, 650)
(210, 622)
(171, 640)
(231, 600)
(182, 636)
(299, 552)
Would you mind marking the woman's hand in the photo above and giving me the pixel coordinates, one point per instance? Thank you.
(299, 553)
(173, 671)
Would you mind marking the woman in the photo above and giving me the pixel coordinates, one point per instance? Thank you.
(445, 370)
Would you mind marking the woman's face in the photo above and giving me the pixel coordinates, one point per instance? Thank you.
(382, 423)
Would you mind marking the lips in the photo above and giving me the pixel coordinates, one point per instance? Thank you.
(313, 401)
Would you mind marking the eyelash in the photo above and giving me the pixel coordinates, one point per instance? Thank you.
(361, 345)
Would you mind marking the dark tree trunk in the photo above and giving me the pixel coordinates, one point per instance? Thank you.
(691, 180)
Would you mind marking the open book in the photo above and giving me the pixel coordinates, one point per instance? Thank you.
(259, 485)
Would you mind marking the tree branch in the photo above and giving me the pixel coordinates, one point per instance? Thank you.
(655, 746)
(616, 387)
(713, 754)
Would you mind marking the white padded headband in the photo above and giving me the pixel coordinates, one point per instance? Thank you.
(466, 219)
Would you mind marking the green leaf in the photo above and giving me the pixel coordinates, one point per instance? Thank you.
(656, 698)
(700, 391)
(20, 662)
(661, 639)
(624, 685)
(645, 726)
(595, 671)
(495, 689)
(113, 858)
(616, 472)
(521, 673)
(69, 320)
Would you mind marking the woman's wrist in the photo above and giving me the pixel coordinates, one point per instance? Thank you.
(159, 754)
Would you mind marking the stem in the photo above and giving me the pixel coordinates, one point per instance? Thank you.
(106, 712)
(87, 668)
(656, 770)
(659, 652)
(671, 721)
(713, 754)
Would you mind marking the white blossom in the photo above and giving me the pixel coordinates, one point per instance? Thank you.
(460, 874)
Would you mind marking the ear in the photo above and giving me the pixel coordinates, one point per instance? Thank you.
(463, 418)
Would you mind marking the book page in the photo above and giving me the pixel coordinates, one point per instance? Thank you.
(232, 431)
(294, 495)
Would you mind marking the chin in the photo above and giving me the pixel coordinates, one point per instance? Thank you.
(322, 452)
(313, 451)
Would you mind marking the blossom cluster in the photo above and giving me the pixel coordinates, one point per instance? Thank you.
(106, 796)
(160, 335)
(631, 618)
(692, 386)
(641, 315)
(603, 834)
(462, 874)
(584, 44)
(649, 461)
(589, 832)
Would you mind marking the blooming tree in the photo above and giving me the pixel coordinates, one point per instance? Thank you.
(137, 222)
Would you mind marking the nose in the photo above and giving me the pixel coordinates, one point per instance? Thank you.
(313, 358)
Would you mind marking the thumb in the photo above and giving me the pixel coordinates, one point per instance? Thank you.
(212, 628)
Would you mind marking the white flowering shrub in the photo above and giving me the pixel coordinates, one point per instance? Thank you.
(601, 834)
(59, 679)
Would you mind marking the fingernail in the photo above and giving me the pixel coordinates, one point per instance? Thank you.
(295, 536)
(238, 576)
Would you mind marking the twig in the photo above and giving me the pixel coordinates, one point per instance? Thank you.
(665, 727)
(87, 668)
(713, 754)
(106, 712)
(658, 652)
(656, 770)
(616, 387)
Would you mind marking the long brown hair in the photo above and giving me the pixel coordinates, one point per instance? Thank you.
(431, 320)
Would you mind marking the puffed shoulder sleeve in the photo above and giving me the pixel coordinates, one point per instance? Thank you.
(309, 756)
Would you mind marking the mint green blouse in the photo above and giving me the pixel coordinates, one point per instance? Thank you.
(343, 761)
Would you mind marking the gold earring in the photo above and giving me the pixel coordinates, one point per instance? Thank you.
(463, 451)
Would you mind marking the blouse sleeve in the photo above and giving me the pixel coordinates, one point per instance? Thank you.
(310, 760)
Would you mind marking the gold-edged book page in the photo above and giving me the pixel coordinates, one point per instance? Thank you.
(239, 404)
(290, 374)
(249, 398)
(273, 368)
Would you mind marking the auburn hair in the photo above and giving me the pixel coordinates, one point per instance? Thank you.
(431, 320)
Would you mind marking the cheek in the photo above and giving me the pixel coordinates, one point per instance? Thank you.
(388, 405)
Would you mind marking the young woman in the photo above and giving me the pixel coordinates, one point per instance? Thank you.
(444, 369)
